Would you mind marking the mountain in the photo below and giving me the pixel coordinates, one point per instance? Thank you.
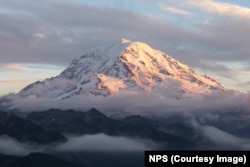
(47, 127)
(172, 135)
(33, 160)
(74, 122)
(123, 66)
(26, 131)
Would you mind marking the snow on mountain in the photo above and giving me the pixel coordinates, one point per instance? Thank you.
(127, 66)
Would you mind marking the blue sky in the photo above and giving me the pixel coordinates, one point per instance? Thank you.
(39, 39)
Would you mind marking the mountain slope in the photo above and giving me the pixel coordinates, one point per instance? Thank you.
(26, 131)
(34, 160)
(74, 122)
(94, 122)
(127, 66)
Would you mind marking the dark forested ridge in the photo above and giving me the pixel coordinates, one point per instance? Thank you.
(34, 160)
(94, 122)
(26, 131)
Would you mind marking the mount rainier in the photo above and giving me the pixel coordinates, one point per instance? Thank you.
(124, 66)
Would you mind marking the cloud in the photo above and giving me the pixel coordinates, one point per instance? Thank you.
(222, 138)
(222, 8)
(245, 85)
(175, 10)
(12, 85)
(10, 146)
(15, 81)
(102, 142)
(132, 103)
(16, 66)
(93, 143)
(67, 30)
(227, 74)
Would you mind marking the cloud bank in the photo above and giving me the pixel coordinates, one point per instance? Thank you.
(85, 143)
(11, 147)
(135, 103)
(102, 142)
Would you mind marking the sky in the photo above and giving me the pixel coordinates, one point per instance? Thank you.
(39, 39)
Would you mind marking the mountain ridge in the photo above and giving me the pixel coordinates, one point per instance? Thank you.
(92, 122)
(26, 131)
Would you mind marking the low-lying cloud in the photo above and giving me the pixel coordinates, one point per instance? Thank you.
(222, 138)
(132, 103)
(93, 143)
(102, 142)
(10, 146)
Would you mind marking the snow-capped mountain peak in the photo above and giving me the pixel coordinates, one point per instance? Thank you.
(127, 66)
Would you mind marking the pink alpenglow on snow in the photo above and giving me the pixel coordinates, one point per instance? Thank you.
(124, 66)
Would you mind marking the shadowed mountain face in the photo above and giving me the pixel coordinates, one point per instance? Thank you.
(94, 122)
(33, 160)
(47, 127)
(83, 159)
(74, 122)
(26, 131)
